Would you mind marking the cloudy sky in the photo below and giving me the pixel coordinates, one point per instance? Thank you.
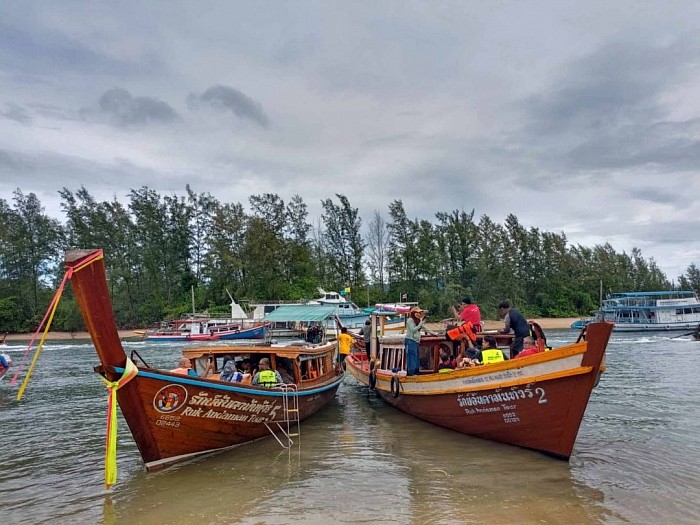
(581, 117)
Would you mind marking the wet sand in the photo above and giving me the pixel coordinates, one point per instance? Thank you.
(546, 324)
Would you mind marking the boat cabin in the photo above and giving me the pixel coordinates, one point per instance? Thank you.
(299, 363)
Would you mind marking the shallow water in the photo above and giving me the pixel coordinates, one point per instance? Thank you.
(636, 460)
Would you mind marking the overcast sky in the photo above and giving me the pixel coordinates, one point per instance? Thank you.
(581, 117)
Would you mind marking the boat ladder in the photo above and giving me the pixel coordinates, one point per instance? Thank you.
(289, 427)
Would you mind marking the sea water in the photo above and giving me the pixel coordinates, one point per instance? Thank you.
(636, 459)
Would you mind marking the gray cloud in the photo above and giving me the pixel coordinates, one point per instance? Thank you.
(606, 111)
(126, 110)
(45, 168)
(228, 99)
(47, 50)
(17, 113)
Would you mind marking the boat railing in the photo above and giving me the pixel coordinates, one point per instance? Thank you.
(290, 426)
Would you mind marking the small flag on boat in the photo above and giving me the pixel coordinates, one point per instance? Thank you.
(347, 289)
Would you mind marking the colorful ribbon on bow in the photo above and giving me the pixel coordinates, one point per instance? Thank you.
(130, 372)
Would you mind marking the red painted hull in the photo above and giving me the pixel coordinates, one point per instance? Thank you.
(536, 402)
(190, 416)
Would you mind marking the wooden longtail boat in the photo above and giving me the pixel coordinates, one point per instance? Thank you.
(175, 417)
(535, 402)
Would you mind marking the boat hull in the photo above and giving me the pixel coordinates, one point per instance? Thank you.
(536, 402)
(257, 332)
(174, 418)
(654, 327)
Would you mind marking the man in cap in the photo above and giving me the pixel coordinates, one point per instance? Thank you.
(414, 324)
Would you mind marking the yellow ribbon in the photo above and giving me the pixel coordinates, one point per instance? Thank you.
(130, 371)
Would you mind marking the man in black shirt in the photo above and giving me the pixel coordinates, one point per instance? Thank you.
(514, 321)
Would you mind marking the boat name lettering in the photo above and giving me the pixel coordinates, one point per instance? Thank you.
(225, 401)
(496, 376)
(500, 396)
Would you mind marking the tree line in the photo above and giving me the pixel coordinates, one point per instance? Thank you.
(160, 247)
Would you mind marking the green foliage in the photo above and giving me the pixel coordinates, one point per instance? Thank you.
(160, 248)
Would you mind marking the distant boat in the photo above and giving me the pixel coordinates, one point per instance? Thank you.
(535, 402)
(580, 323)
(646, 311)
(201, 327)
(350, 315)
(204, 330)
(174, 417)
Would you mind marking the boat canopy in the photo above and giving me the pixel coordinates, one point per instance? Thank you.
(301, 312)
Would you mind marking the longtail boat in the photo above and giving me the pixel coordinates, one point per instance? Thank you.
(536, 402)
(175, 417)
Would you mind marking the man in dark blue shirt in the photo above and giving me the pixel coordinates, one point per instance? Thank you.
(514, 321)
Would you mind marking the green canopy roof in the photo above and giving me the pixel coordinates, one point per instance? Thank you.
(301, 312)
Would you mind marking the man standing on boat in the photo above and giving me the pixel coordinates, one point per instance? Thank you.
(468, 312)
(414, 324)
(345, 341)
(514, 321)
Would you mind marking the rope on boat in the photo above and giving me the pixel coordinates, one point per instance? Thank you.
(130, 372)
(50, 312)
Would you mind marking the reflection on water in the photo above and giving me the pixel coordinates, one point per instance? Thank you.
(636, 459)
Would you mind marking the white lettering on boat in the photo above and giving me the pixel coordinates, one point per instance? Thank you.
(475, 403)
(496, 376)
(256, 412)
(169, 421)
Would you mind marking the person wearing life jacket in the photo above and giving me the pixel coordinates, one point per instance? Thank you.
(490, 353)
(184, 367)
(266, 376)
(514, 321)
(468, 312)
(445, 363)
(4, 362)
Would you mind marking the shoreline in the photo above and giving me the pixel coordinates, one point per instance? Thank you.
(545, 323)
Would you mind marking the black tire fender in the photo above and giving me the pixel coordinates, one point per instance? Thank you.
(372, 380)
(395, 386)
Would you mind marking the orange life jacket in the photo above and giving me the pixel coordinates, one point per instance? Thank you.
(463, 331)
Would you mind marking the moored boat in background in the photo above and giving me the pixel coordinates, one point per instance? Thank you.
(191, 330)
(175, 417)
(642, 311)
(535, 402)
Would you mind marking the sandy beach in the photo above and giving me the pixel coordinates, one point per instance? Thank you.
(546, 324)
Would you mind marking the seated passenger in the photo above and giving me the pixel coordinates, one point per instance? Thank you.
(3, 362)
(490, 353)
(266, 377)
(229, 372)
(529, 348)
(184, 367)
(445, 363)
(247, 370)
